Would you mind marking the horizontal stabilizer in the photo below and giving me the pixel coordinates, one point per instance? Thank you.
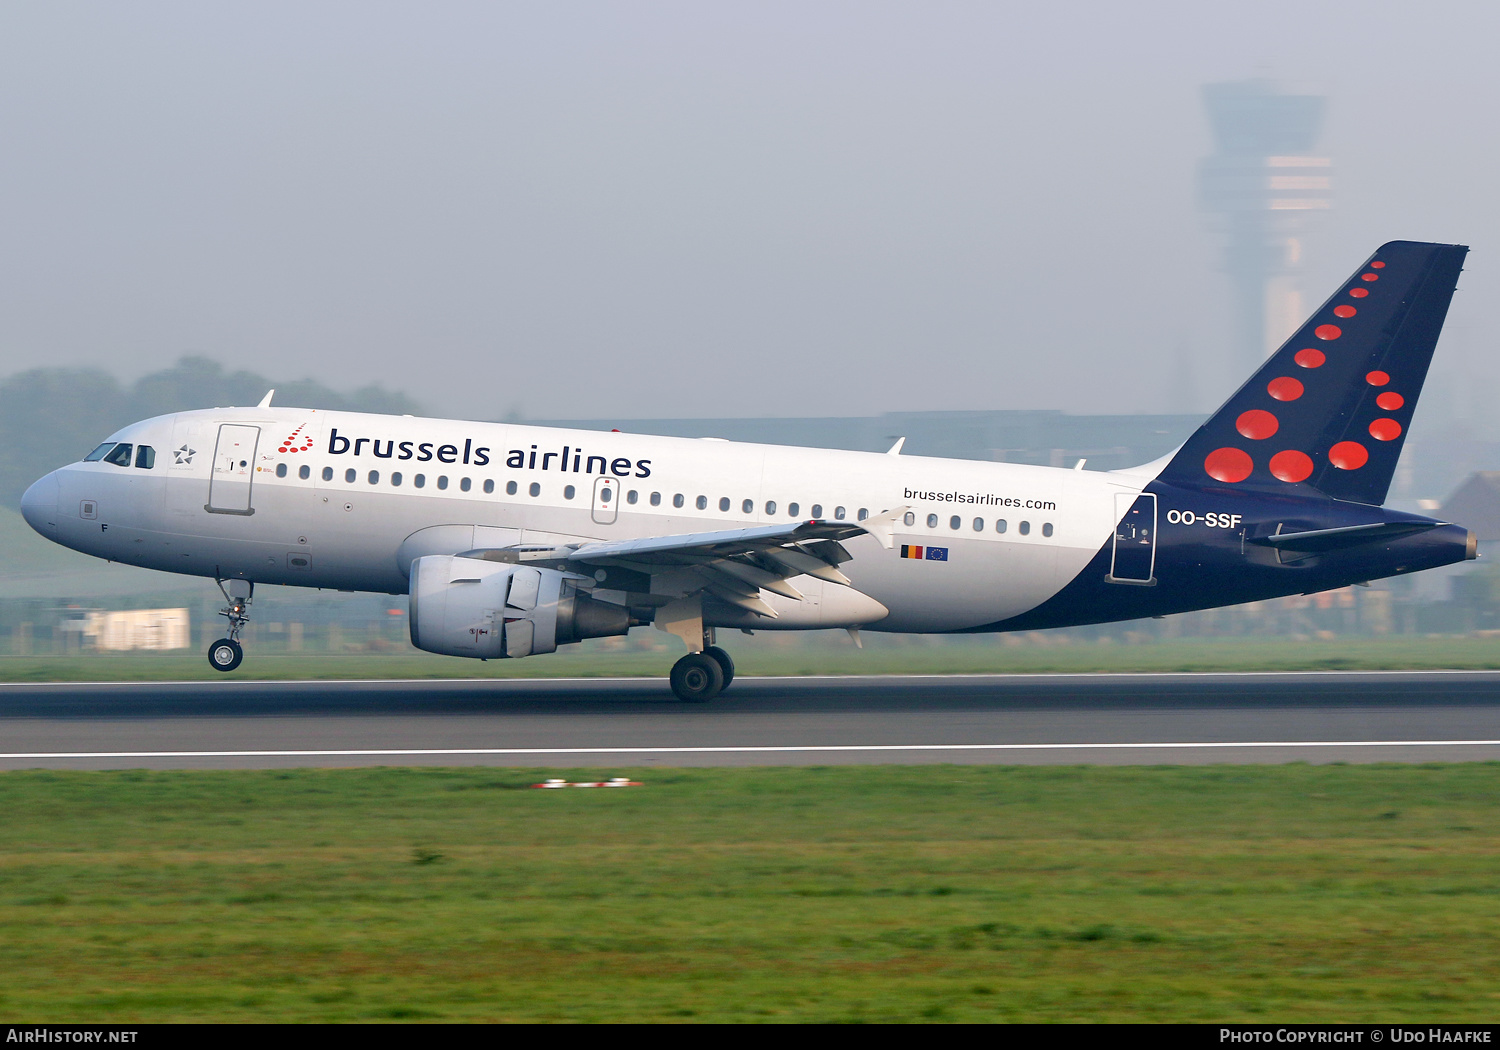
(1318, 540)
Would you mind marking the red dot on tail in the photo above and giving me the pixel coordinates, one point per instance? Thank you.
(1291, 465)
(1344, 311)
(1348, 455)
(1310, 358)
(1328, 331)
(1285, 388)
(1377, 378)
(1390, 401)
(1359, 293)
(1377, 266)
(1228, 464)
(1385, 430)
(1256, 424)
(283, 448)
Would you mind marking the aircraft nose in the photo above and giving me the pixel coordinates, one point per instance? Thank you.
(39, 506)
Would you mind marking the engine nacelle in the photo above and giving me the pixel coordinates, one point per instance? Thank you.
(492, 610)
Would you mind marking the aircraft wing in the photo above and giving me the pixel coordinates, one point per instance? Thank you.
(733, 565)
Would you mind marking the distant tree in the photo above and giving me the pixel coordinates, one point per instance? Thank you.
(53, 416)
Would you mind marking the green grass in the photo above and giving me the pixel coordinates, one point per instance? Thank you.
(1333, 893)
(767, 654)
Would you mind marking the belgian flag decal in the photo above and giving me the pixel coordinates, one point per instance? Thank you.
(924, 553)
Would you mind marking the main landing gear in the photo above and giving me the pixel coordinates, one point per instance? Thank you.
(226, 653)
(699, 677)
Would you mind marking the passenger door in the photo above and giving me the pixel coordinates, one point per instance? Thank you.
(234, 470)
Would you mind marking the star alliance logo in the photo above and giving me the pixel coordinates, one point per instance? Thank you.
(184, 455)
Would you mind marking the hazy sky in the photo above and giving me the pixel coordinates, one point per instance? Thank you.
(637, 209)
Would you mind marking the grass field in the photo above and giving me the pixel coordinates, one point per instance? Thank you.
(1332, 893)
(772, 655)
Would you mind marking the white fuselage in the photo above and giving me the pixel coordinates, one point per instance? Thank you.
(226, 497)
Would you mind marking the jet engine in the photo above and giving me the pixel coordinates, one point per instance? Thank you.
(492, 610)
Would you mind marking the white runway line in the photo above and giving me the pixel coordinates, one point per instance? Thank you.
(736, 749)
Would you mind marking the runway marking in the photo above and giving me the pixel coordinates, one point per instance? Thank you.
(738, 749)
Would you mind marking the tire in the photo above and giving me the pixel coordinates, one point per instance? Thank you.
(697, 678)
(225, 654)
(725, 663)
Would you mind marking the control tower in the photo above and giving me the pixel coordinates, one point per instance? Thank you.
(1263, 184)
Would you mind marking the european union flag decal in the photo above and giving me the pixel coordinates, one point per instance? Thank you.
(937, 553)
(921, 553)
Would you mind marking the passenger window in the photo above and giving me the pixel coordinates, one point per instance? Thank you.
(955, 521)
(350, 475)
(304, 472)
(910, 519)
(396, 479)
(999, 524)
(374, 477)
(678, 500)
(569, 492)
(418, 480)
(1047, 529)
(442, 481)
(536, 488)
(327, 473)
(838, 513)
(770, 507)
(702, 502)
(978, 524)
(510, 488)
(489, 486)
(724, 503)
(605, 494)
(1025, 528)
(863, 513)
(817, 510)
(792, 509)
(748, 507)
(465, 485)
(145, 457)
(98, 453)
(932, 521)
(281, 470)
(656, 499)
(120, 457)
(632, 496)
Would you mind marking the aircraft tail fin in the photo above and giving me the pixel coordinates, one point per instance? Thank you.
(1329, 411)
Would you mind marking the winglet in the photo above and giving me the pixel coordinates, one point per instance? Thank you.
(883, 525)
(895, 449)
(265, 402)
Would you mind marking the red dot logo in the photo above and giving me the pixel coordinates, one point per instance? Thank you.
(1359, 293)
(283, 448)
(1328, 331)
(1390, 401)
(1344, 311)
(1377, 266)
(1310, 358)
(1285, 389)
(1291, 465)
(1369, 277)
(1228, 464)
(1256, 424)
(1348, 455)
(1385, 430)
(1377, 378)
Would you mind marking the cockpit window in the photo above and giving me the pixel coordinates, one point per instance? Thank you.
(120, 457)
(145, 457)
(98, 453)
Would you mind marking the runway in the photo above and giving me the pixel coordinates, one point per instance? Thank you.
(1023, 719)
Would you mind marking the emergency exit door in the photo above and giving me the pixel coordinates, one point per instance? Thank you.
(234, 470)
(606, 500)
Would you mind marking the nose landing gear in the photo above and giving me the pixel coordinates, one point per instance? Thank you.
(227, 653)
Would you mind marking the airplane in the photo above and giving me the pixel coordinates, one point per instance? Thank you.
(513, 540)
